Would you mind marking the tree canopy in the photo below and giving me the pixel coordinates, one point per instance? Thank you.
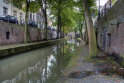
(72, 12)
(34, 5)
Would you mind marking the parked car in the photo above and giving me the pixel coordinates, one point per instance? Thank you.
(54, 33)
(10, 19)
(32, 23)
(49, 28)
(53, 29)
(2, 17)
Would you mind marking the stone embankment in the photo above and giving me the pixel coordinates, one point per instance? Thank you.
(9, 50)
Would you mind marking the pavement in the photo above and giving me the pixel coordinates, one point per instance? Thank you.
(83, 65)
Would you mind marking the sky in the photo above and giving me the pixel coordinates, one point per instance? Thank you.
(102, 2)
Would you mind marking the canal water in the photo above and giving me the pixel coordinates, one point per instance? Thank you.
(43, 65)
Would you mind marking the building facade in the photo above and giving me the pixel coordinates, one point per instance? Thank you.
(110, 34)
(6, 8)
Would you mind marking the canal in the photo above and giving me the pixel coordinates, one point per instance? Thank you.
(43, 65)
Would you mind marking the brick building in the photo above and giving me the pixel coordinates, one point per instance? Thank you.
(110, 29)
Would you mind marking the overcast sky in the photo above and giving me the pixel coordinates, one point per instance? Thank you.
(102, 2)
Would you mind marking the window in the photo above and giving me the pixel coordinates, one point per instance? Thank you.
(38, 17)
(109, 40)
(5, 11)
(15, 13)
(6, 1)
(33, 17)
(30, 16)
(7, 35)
(21, 16)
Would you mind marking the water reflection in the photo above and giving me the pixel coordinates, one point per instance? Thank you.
(38, 66)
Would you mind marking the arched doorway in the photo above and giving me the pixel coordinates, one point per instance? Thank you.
(7, 35)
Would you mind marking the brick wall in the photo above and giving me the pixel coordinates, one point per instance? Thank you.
(16, 33)
(111, 30)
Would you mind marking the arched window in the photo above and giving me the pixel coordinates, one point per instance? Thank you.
(7, 35)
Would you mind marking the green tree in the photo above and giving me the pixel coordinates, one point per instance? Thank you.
(63, 14)
(43, 5)
(91, 32)
(27, 6)
(62, 9)
(19, 4)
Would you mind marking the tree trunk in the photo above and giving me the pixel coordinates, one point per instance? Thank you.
(26, 30)
(86, 34)
(63, 32)
(39, 34)
(90, 29)
(59, 20)
(45, 15)
(58, 24)
(80, 29)
(75, 33)
(45, 19)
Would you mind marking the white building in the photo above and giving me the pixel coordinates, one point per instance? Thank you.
(7, 8)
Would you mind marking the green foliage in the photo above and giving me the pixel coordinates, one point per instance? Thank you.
(67, 13)
(72, 11)
(18, 3)
(34, 6)
(68, 16)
